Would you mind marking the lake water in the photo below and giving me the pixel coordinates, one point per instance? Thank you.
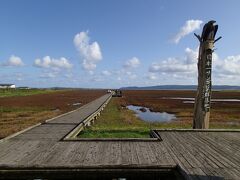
(151, 116)
(191, 100)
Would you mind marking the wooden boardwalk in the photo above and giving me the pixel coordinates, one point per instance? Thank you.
(42, 152)
(204, 154)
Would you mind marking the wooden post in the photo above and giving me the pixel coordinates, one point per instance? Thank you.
(203, 97)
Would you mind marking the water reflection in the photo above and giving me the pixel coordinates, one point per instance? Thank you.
(146, 115)
(191, 100)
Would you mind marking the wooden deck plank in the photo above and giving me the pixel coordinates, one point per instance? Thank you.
(228, 140)
(221, 150)
(212, 171)
(115, 155)
(134, 155)
(99, 153)
(126, 153)
(62, 155)
(80, 114)
(230, 146)
(8, 146)
(19, 152)
(40, 154)
(142, 156)
(180, 149)
(103, 153)
(199, 152)
(79, 153)
(194, 144)
(195, 153)
(92, 156)
(210, 151)
(43, 137)
(177, 157)
(106, 153)
(162, 153)
(152, 153)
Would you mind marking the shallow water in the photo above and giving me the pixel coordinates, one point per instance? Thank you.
(191, 100)
(77, 104)
(151, 116)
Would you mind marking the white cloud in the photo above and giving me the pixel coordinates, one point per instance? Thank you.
(177, 66)
(184, 70)
(48, 62)
(90, 52)
(151, 76)
(170, 65)
(226, 71)
(106, 73)
(119, 78)
(130, 75)
(13, 61)
(125, 74)
(191, 55)
(230, 66)
(91, 73)
(89, 66)
(132, 63)
(189, 27)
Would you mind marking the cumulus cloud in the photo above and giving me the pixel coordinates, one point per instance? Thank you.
(173, 65)
(151, 76)
(177, 66)
(224, 71)
(191, 55)
(13, 61)
(119, 78)
(48, 62)
(106, 73)
(132, 63)
(229, 66)
(187, 28)
(90, 52)
(126, 73)
(130, 75)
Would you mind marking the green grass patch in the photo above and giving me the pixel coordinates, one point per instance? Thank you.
(24, 92)
(89, 133)
(119, 122)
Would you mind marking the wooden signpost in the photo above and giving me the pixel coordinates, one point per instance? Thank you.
(203, 97)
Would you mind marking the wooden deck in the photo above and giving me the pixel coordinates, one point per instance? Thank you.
(42, 152)
(204, 154)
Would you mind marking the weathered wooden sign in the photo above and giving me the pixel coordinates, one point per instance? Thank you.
(203, 98)
(208, 82)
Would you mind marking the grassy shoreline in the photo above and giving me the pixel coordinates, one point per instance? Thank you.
(119, 122)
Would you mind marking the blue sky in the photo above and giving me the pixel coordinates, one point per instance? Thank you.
(110, 44)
